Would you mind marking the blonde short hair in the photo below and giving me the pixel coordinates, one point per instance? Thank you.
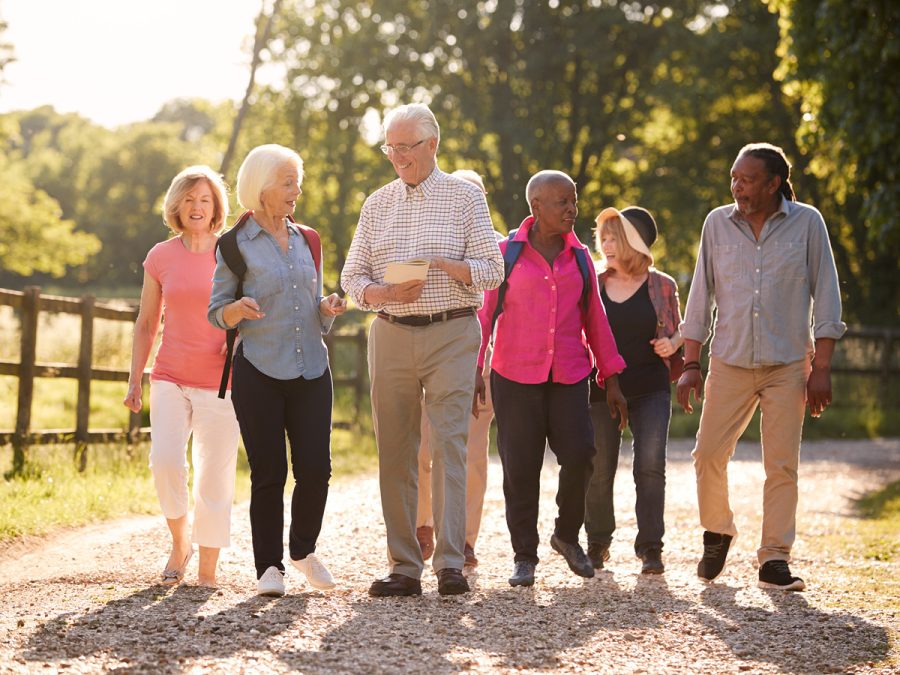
(258, 172)
(633, 262)
(183, 183)
(471, 176)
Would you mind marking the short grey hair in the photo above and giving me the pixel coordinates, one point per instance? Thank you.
(257, 172)
(419, 113)
(541, 178)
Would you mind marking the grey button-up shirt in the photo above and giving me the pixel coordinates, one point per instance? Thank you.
(287, 342)
(772, 296)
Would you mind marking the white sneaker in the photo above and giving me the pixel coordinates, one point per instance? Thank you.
(271, 583)
(316, 573)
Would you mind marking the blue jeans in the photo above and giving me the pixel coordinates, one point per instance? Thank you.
(648, 418)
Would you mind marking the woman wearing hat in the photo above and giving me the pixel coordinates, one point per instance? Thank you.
(642, 305)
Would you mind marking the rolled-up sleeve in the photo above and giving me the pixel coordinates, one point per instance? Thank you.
(224, 289)
(823, 284)
(697, 324)
(482, 253)
(356, 276)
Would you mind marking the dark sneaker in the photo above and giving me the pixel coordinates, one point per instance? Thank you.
(652, 559)
(574, 555)
(471, 560)
(777, 575)
(523, 574)
(598, 554)
(715, 549)
(452, 582)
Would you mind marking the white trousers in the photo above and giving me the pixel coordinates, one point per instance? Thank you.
(176, 412)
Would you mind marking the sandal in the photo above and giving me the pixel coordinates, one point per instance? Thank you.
(171, 577)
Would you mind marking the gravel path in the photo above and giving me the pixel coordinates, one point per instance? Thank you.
(85, 600)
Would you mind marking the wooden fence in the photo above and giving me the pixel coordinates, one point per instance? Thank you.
(31, 303)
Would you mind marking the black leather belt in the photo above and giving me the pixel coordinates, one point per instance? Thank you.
(427, 319)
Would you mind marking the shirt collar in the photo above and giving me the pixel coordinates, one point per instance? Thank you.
(251, 228)
(570, 240)
(784, 208)
(427, 186)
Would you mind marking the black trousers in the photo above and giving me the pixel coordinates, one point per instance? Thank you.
(265, 409)
(528, 417)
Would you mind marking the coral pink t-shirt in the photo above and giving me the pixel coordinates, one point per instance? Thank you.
(190, 352)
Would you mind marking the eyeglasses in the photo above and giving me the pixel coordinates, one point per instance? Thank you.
(401, 148)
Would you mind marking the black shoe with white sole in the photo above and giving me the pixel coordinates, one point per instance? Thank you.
(715, 550)
(776, 574)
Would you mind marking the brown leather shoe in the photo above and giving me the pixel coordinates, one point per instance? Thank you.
(394, 585)
(471, 560)
(425, 536)
(451, 582)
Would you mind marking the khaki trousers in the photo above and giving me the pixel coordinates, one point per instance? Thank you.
(405, 362)
(476, 465)
(732, 395)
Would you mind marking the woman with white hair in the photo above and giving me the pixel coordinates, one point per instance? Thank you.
(185, 375)
(281, 380)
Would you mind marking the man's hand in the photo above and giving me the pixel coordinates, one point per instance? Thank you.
(618, 407)
(480, 393)
(332, 305)
(408, 291)
(690, 380)
(818, 390)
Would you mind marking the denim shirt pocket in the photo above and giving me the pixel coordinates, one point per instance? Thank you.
(728, 263)
(262, 284)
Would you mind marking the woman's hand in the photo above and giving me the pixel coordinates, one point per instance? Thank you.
(332, 305)
(133, 399)
(663, 347)
(478, 399)
(245, 308)
(615, 400)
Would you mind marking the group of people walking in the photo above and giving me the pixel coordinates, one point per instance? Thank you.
(562, 353)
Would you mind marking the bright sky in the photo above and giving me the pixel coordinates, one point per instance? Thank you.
(119, 61)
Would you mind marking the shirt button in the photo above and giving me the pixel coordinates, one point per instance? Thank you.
(296, 308)
(552, 330)
(297, 328)
(294, 286)
(545, 278)
(756, 291)
(755, 313)
(757, 270)
(290, 267)
(759, 248)
(298, 350)
(290, 247)
(551, 351)
(553, 288)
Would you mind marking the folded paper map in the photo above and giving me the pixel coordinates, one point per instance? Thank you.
(410, 270)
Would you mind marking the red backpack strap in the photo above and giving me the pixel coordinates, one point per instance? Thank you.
(313, 240)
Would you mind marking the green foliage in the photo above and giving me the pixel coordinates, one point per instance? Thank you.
(841, 62)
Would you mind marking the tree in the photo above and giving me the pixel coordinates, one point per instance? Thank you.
(841, 62)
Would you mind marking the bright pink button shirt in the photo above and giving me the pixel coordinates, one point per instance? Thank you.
(541, 330)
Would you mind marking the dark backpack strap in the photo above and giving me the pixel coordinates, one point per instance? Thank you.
(231, 254)
(587, 269)
(510, 255)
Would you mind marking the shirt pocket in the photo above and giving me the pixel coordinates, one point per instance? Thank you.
(728, 263)
(788, 260)
(262, 283)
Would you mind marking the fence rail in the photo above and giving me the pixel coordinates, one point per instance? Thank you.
(31, 303)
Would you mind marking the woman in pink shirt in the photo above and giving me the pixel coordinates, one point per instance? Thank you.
(178, 277)
(548, 337)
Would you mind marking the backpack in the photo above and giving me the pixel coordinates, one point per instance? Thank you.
(228, 247)
(512, 253)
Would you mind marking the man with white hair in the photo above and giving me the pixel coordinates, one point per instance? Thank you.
(425, 339)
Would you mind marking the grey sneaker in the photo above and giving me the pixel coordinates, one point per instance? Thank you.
(715, 550)
(523, 574)
(777, 575)
(271, 583)
(598, 553)
(575, 557)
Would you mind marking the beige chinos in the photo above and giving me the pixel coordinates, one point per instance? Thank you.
(403, 361)
(732, 395)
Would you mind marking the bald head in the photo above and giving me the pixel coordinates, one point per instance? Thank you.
(541, 180)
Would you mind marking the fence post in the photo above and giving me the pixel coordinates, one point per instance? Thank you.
(85, 358)
(31, 307)
(362, 365)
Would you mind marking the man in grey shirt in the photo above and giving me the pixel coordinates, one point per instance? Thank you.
(765, 266)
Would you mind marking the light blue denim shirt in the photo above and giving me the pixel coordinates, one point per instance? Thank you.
(287, 342)
(771, 296)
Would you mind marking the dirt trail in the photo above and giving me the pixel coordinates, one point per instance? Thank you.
(85, 600)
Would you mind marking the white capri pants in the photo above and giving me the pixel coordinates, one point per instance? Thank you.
(175, 412)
